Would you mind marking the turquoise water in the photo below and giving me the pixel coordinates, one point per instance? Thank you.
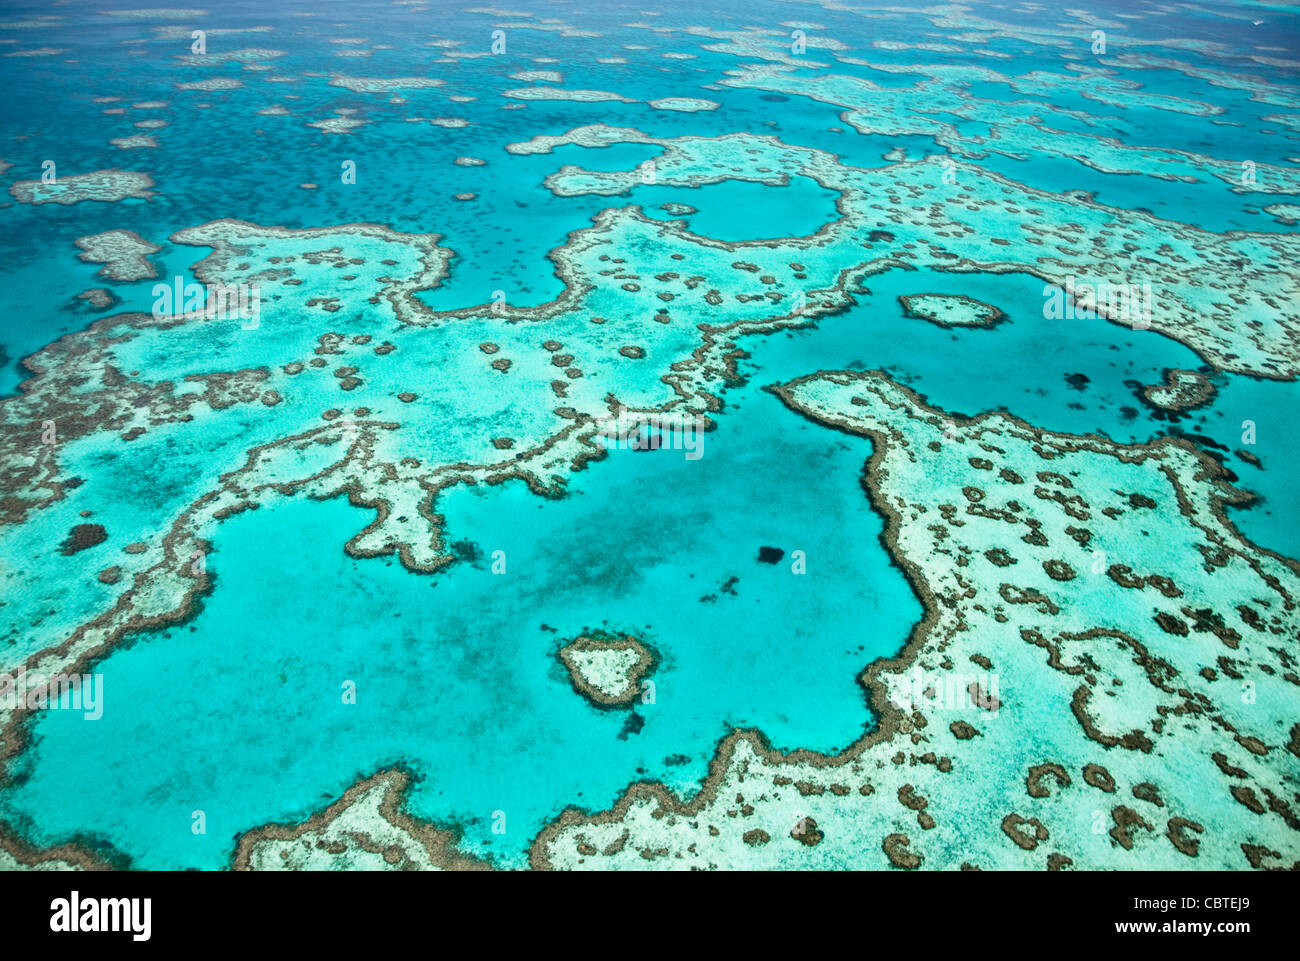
(734, 210)
(456, 671)
(237, 710)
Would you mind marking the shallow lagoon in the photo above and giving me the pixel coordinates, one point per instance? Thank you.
(456, 671)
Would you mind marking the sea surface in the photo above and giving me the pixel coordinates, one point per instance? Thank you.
(235, 711)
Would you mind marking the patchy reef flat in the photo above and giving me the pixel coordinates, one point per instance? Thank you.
(1097, 583)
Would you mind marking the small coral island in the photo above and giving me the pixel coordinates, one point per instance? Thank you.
(951, 310)
(606, 669)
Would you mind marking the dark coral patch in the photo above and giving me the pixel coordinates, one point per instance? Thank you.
(83, 536)
(1058, 570)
